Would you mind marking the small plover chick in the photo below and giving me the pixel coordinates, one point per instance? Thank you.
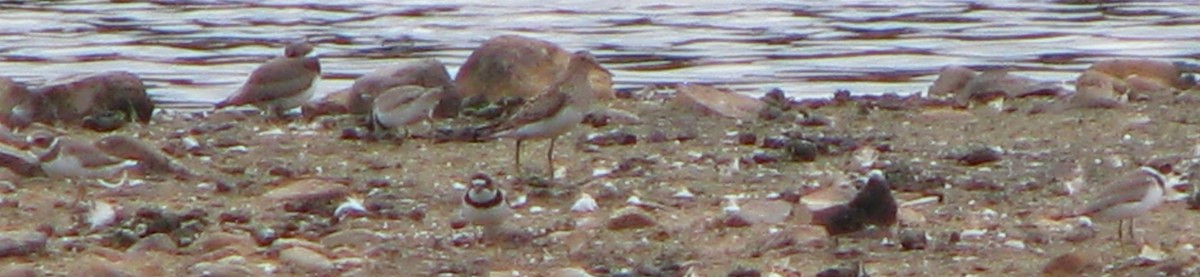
(484, 205)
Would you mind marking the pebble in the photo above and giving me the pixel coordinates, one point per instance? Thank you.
(744, 272)
(353, 237)
(207, 269)
(305, 260)
(1069, 264)
(306, 190)
(19, 270)
(980, 156)
(569, 272)
(585, 204)
(766, 211)
(158, 242)
(913, 240)
(21, 243)
(630, 218)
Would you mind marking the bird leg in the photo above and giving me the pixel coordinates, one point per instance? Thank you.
(517, 157)
(550, 159)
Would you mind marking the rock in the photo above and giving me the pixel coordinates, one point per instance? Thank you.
(212, 241)
(913, 240)
(766, 211)
(19, 270)
(306, 190)
(569, 272)
(72, 100)
(1069, 264)
(709, 100)
(511, 65)
(305, 260)
(15, 103)
(630, 218)
(744, 272)
(981, 155)
(427, 73)
(96, 267)
(158, 242)
(218, 269)
(358, 238)
(21, 243)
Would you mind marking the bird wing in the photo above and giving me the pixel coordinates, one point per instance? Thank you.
(546, 105)
(88, 155)
(1127, 188)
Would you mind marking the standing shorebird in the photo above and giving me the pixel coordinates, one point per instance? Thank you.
(402, 106)
(281, 84)
(554, 112)
(1128, 197)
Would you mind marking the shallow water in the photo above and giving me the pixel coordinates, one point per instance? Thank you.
(200, 51)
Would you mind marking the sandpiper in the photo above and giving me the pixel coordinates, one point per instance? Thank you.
(281, 84)
(484, 203)
(554, 112)
(402, 106)
(67, 157)
(1128, 197)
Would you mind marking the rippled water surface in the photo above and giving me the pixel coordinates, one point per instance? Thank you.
(201, 51)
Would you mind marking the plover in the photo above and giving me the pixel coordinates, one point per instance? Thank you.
(484, 204)
(68, 158)
(281, 84)
(402, 106)
(1128, 197)
(555, 112)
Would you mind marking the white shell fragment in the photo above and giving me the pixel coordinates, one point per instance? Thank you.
(351, 207)
(585, 204)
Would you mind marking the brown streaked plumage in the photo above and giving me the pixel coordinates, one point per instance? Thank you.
(554, 112)
(281, 84)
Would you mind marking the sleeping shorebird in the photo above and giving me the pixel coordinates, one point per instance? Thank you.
(281, 84)
(402, 106)
(554, 112)
(484, 205)
(69, 158)
(1128, 197)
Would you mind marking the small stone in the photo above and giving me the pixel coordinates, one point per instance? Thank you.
(306, 190)
(747, 138)
(158, 242)
(801, 150)
(354, 238)
(981, 155)
(21, 243)
(630, 218)
(657, 136)
(207, 269)
(1069, 264)
(913, 240)
(744, 272)
(305, 260)
(19, 270)
(763, 158)
(766, 211)
(615, 137)
(569, 272)
(709, 100)
(736, 220)
(775, 142)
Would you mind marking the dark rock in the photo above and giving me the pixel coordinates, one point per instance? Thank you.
(913, 240)
(744, 272)
(615, 137)
(764, 158)
(801, 150)
(775, 142)
(747, 138)
(21, 243)
(981, 155)
(630, 218)
(656, 136)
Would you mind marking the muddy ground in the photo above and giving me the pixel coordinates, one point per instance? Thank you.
(263, 194)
